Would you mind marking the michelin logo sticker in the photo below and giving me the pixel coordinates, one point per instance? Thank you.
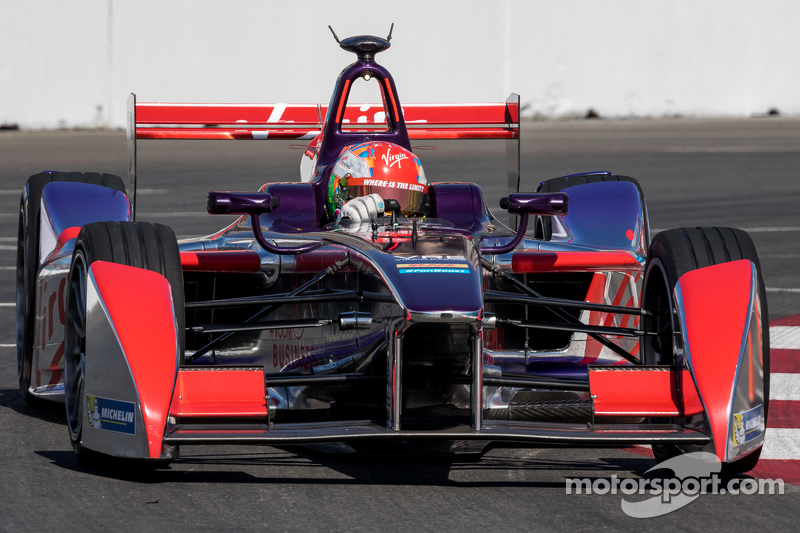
(747, 425)
(94, 412)
(111, 415)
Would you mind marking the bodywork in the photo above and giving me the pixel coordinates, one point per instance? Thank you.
(65, 208)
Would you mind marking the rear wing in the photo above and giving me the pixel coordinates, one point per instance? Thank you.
(150, 120)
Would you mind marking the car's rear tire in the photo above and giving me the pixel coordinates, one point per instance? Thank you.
(673, 253)
(28, 259)
(543, 229)
(141, 245)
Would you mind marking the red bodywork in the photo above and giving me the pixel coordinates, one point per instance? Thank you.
(531, 261)
(714, 330)
(140, 301)
(221, 261)
(214, 393)
(631, 391)
(304, 121)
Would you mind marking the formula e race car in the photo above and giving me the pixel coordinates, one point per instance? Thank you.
(365, 306)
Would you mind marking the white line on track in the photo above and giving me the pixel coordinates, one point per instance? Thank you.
(10, 192)
(7, 247)
(160, 215)
(776, 289)
(8, 304)
(781, 444)
(784, 387)
(8, 345)
(768, 229)
(772, 229)
(723, 149)
(784, 337)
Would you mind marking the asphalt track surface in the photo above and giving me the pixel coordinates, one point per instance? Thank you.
(740, 173)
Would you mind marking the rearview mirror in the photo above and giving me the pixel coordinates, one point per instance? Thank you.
(526, 204)
(533, 203)
(240, 203)
(253, 204)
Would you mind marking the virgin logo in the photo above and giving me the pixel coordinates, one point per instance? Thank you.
(391, 160)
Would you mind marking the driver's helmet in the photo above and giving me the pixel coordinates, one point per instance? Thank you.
(379, 167)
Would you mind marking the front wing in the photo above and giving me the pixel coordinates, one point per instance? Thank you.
(172, 405)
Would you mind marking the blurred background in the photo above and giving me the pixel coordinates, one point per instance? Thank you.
(72, 64)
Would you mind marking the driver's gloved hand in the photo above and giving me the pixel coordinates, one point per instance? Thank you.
(363, 208)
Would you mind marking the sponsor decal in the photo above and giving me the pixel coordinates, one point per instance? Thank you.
(391, 160)
(416, 187)
(402, 258)
(49, 332)
(432, 264)
(111, 415)
(287, 353)
(747, 426)
(434, 271)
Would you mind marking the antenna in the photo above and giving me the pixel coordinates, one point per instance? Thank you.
(389, 38)
(337, 39)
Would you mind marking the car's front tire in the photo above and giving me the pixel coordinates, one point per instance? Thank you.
(142, 245)
(673, 253)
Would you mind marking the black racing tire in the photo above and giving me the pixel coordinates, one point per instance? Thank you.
(673, 253)
(142, 245)
(28, 259)
(543, 225)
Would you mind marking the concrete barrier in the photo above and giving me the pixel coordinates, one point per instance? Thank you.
(66, 64)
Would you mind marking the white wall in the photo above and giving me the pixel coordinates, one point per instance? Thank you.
(73, 63)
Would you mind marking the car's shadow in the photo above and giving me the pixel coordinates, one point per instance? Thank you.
(492, 470)
(355, 469)
(351, 469)
(52, 412)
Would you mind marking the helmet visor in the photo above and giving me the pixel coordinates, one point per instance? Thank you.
(413, 201)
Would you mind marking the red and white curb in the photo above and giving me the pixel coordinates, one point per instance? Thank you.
(780, 457)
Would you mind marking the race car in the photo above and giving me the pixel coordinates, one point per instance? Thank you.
(366, 306)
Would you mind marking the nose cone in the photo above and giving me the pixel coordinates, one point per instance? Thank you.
(439, 276)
